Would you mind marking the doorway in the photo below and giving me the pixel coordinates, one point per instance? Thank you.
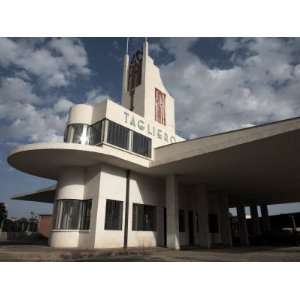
(191, 228)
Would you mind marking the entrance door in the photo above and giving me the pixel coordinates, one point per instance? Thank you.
(191, 228)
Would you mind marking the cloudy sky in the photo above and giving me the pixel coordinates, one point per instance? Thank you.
(219, 84)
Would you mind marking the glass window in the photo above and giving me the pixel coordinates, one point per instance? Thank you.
(69, 132)
(141, 144)
(69, 214)
(85, 218)
(72, 214)
(113, 215)
(56, 209)
(79, 137)
(213, 223)
(77, 133)
(118, 135)
(181, 221)
(144, 217)
(96, 133)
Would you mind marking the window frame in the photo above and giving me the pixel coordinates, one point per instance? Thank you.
(119, 222)
(62, 206)
(149, 140)
(139, 222)
(89, 132)
(118, 126)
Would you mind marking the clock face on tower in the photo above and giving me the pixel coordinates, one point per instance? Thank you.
(160, 107)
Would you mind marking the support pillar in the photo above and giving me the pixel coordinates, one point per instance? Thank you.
(265, 217)
(225, 226)
(202, 208)
(172, 212)
(255, 220)
(242, 226)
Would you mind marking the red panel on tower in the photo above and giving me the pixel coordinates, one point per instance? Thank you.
(160, 107)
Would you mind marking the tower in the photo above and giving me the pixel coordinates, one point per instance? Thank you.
(143, 91)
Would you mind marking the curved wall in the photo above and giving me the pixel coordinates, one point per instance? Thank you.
(70, 239)
(71, 185)
(81, 113)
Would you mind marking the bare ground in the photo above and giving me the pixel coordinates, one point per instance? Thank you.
(25, 252)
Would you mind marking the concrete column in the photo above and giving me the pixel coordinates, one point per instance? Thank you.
(242, 226)
(172, 212)
(265, 217)
(255, 220)
(202, 208)
(225, 226)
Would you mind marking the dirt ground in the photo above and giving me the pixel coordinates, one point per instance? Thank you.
(23, 252)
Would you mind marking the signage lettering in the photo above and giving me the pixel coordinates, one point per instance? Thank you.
(151, 130)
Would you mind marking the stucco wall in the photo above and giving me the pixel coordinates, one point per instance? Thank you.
(112, 186)
(151, 191)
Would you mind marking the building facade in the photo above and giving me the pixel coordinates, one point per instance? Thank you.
(126, 179)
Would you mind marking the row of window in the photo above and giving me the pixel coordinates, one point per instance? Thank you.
(110, 132)
(143, 216)
(75, 214)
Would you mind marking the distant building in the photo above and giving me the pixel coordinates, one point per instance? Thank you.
(45, 225)
(126, 179)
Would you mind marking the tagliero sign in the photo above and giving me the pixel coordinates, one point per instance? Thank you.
(149, 129)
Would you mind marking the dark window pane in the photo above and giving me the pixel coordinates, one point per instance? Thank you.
(86, 206)
(149, 218)
(181, 221)
(118, 135)
(113, 215)
(213, 223)
(141, 144)
(96, 133)
(66, 134)
(144, 217)
(55, 213)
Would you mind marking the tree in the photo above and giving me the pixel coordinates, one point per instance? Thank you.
(3, 214)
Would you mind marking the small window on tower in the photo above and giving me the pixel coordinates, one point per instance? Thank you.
(160, 107)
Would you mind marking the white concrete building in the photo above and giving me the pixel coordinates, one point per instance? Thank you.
(125, 179)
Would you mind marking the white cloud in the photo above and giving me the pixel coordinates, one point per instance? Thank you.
(23, 118)
(73, 52)
(31, 109)
(31, 124)
(63, 105)
(261, 86)
(55, 62)
(14, 89)
(8, 51)
(96, 95)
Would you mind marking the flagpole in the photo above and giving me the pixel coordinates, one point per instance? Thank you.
(127, 45)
